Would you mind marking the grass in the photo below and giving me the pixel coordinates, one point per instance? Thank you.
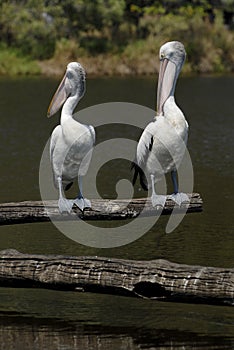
(13, 64)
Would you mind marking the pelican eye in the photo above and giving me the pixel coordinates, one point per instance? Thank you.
(162, 56)
(70, 74)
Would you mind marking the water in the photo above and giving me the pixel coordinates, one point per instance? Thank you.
(37, 319)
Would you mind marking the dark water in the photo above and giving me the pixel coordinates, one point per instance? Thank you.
(38, 319)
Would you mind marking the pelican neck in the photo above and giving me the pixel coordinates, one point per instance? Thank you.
(68, 107)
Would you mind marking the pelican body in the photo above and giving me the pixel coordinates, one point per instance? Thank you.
(71, 142)
(162, 144)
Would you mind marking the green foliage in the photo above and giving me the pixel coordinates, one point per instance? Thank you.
(44, 29)
(12, 63)
(23, 27)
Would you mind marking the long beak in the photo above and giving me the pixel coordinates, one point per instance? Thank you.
(58, 99)
(166, 81)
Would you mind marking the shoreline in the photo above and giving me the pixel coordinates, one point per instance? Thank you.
(100, 66)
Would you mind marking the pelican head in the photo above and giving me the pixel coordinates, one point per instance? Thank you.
(72, 84)
(172, 56)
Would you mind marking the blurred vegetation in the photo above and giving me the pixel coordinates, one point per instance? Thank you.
(114, 36)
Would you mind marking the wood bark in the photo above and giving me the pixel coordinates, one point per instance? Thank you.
(102, 209)
(154, 279)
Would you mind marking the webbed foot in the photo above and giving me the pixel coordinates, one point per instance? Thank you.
(65, 205)
(157, 199)
(179, 198)
(82, 203)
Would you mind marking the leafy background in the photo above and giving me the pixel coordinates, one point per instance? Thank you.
(114, 36)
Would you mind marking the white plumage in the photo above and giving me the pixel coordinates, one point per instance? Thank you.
(71, 142)
(163, 142)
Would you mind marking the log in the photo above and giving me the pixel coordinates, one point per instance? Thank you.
(102, 209)
(155, 279)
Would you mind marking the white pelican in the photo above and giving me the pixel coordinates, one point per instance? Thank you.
(162, 143)
(71, 142)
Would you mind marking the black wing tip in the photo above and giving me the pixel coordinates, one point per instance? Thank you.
(68, 186)
(138, 171)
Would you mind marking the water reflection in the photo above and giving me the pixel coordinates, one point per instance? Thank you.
(60, 318)
(41, 334)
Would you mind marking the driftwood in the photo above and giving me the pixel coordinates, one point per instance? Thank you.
(155, 279)
(102, 209)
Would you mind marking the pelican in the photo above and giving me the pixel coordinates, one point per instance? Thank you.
(71, 142)
(162, 144)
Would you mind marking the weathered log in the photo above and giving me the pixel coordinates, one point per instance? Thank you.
(155, 279)
(102, 209)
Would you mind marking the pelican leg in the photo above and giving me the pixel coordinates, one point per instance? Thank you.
(65, 205)
(80, 201)
(174, 181)
(177, 197)
(156, 199)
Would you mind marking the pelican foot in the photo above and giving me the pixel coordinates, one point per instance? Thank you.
(82, 203)
(65, 205)
(87, 203)
(179, 198)
(158, 200)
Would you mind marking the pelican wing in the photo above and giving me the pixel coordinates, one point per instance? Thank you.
(54, 138)
(145, 144)
(87, 158)
(92, 132)
(144, 148)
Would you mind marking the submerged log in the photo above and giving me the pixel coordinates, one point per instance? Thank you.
(102, 209)
(155, 279)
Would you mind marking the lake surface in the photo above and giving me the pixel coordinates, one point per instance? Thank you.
(38, 319)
